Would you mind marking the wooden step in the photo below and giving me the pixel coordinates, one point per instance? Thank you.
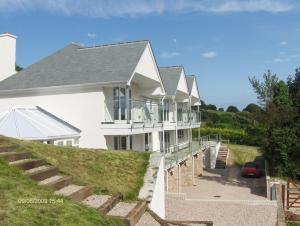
(26, 164)
(136, 213)
(7, 148)
(110, 203)
(57, 182)
(14, 156)
(75, 192)
(121, 211)
(42, 172)
(96, 201)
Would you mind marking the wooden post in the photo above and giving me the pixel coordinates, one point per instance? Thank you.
(288, 194)
(283, 195)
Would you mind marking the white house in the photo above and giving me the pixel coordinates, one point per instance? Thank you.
(114, 94)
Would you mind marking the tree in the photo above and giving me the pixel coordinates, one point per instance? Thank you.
(294, 89)
(252, 108)
(265, 89)
(221, 109)
(211, 107)
(18, 68)
(233, 109)
(281, 95)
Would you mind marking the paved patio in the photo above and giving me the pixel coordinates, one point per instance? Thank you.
(225, 198)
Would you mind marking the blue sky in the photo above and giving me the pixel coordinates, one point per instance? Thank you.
(221, 41)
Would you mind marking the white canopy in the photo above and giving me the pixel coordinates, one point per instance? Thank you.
(34, 123)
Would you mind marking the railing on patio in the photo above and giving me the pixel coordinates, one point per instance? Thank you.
(140, 112)
(195, 117)
(178, 153)
(146, 112)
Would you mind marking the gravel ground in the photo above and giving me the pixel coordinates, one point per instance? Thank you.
(227, 184)
(223, 213)
(224, 197)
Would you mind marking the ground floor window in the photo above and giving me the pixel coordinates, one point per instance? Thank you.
(148, 141)
(120, 142)
(180, 134)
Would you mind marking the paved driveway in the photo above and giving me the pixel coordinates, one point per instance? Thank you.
(227, 184)
(226, 198)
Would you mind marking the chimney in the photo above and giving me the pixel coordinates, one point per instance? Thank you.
(7, 55)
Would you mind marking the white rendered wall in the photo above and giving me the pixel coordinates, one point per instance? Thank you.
(214, 150)
(7, 55)
(155, 141)
(83, 110)
(157, 203)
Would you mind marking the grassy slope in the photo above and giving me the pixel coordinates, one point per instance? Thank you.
(242, 153)
(110, 171)
(15, 186)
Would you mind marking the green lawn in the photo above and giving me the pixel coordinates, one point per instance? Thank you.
(242, 153)
(109, 171)
(293, 223)
(15, 187)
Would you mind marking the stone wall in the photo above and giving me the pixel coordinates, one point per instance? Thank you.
(186, 172)
(172, 179)
(183, 174)
(198, 164)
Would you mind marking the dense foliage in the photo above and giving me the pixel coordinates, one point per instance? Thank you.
(274, 125)
(281, 119)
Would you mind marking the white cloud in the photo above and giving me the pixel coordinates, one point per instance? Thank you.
(169, 54)
(209, 55)
(175, 40)
(281, 60)
(283, 43)
(92, 35)
(121, 8)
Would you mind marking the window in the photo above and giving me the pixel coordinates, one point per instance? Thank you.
(120, 142)
(69, 143)
(166, 110)
(180, 134)
(119, 103)
(60, 143)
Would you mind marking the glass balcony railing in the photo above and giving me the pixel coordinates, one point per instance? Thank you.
(134, 112)
(195, 117)
(144, 112)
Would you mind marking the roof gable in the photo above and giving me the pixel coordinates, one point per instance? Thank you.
(182, 85)
(172, 79)
(76, 65)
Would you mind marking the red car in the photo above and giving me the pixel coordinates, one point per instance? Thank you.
(251, 169)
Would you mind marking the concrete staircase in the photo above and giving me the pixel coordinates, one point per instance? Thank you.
(222, 157)
(131, 214)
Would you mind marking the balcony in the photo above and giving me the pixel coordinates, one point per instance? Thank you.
(135, 112)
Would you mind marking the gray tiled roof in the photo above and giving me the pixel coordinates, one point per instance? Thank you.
(170, 78)
(76, 65)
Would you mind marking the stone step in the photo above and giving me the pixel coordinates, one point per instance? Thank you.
(7, 148)
(136, 213)
(96, 201)
(14, 156)
(42, 172)
(75, 192)
(26, 164)
(57, 182)
(147, 220)
(110, 203)
(121, 210)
